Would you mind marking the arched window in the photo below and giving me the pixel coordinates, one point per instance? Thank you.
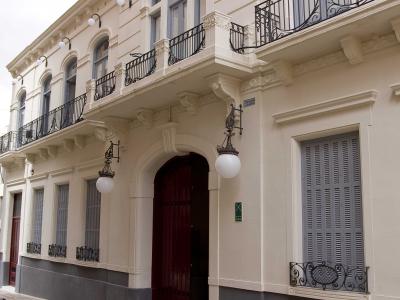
(100, 59)
(70, 80)
(21, 110)
(46, 105)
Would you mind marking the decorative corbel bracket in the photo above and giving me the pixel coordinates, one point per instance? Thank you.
(80, 141)
(352, 49)
(145, 116)
(284, 71)
(69, 145)
(43, 153)
(30, 157)
(226, 88)
(19, 161)
(100, 134)
(396, 28)
(52, 151)
(169, 137)
(396, 89)
(190, 101)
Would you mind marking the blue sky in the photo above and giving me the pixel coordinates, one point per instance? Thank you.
(20, 23)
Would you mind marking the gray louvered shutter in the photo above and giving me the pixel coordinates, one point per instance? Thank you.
(62, 215)
(332, 203)
(37, 216)
(93, 207)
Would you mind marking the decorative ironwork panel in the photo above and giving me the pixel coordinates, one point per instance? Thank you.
(275, 19)
(34, 248)
(329, 276)
(8, 142)
(237, 38)
(87, 254)
(186, 44)
(141, 67)
(105, 86)
(57, 119)
(57, 250)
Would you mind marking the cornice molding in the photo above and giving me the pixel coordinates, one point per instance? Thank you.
(314, 110)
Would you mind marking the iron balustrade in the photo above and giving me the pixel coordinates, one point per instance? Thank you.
(8, 142)
(57, 250)
(87, 254)
(275, 19)
(186, 44)
(237, 38)
(142, 66)
(105, 86)
(55, 120)
(329, 276)
(34, 248)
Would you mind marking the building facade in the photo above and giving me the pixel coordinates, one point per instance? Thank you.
(310, 90)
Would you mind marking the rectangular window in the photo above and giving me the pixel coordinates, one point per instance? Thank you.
(332, 201)
(177, 18)
(93, 208)
(37, 216)
(62, 214)
(155, 29)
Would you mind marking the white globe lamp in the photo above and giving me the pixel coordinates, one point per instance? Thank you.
(228, 165)
(120, 2)
(61, 44)
(105, 185)
(91, 21)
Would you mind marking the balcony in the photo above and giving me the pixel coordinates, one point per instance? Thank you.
(62, 117)
(87, 254)
(329, 276)
(196, 59)
(8, 142)
(34, 248)
(57, 250)
(296, 31)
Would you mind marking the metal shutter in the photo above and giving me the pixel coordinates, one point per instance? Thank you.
(93, 205)
(332, 201)
(37, 216)
(62, 215)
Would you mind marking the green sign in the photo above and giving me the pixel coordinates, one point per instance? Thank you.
(238, 212)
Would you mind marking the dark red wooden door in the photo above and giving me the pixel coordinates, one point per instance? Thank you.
(14, 249)
(180, 230)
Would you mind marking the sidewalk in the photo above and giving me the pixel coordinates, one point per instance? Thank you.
(8, 293)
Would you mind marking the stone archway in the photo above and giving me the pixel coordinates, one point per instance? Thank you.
(141, 213)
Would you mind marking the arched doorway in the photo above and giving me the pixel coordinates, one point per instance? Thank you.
(181, 230)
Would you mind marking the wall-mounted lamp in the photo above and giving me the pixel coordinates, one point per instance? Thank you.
(228, 162)
(105, 183)
(122, 3)
(22, 78)
(91, 21)
(61, 44)
(40, 60)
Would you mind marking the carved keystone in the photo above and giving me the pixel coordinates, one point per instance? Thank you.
(169, 137)
(352, 48)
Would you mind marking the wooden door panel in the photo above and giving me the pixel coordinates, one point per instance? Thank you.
(174, 228)
(14, 247)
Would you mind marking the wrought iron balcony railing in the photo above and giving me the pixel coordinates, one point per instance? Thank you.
(57, 119)
(105, 86)
(186, 44)
(237, 38)
(276, 19)
(57, 250)
(142, 66)
(8, 142)
(329, 276)
(87, 254)
(34, 248)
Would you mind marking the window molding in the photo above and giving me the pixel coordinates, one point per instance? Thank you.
(343, 103)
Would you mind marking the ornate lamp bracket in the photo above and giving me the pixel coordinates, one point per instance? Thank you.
(109, 156)
(230, 125)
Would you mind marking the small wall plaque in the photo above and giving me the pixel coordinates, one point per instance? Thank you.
(249, 102)
(238, 212)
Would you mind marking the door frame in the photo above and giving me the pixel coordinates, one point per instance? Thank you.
(141, 209)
